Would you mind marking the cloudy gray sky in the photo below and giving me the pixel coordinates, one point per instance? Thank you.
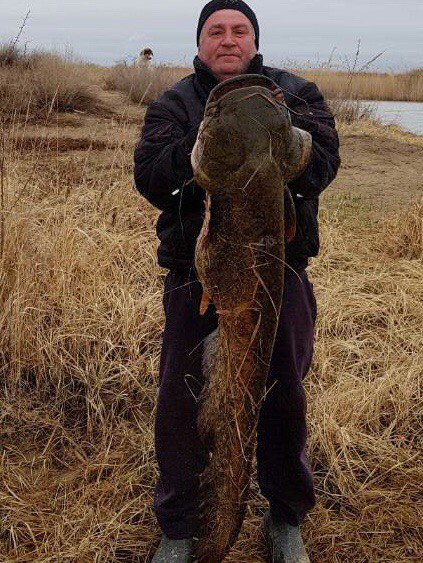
(305, 31)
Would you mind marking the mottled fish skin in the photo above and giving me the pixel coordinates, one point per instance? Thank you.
(243, 157)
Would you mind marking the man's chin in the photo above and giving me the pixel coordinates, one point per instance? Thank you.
(230, 69)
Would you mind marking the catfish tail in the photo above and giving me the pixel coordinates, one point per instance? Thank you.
(227, 420)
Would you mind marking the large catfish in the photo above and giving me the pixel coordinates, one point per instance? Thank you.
(245, 153)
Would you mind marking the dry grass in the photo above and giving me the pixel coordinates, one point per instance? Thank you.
(37, 84)
(365, 393)
(371, 128)
(402, 235)
(80, 326)
(343, 90)
(407, 86)
(143, 85)
(79, 298)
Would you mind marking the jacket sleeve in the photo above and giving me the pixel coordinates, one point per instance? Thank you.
(163, 173)
(316, 118)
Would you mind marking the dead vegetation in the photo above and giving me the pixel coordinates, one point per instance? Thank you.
(80, 326)
(364, 391)
(143, 84)
(37, 84)
(349, 111)
(402, 235)
(58, 144)
(404, 86)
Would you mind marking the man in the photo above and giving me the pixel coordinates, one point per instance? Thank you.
(228, 41)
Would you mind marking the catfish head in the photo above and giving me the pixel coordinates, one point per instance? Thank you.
(243, 122)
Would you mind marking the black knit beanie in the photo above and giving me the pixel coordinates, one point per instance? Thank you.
(239, 5)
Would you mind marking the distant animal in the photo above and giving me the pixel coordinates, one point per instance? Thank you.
(144, 58)
(246, 151)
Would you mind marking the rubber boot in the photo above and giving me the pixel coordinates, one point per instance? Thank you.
(284, 542)
(174, 551)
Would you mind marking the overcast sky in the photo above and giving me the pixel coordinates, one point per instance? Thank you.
(305, 31)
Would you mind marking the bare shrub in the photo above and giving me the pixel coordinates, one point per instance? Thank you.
(10, 55)
(346, 90)
(143, 84)
(350, 111)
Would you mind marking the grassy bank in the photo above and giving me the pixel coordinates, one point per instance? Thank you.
(80, 327)
(39, 84)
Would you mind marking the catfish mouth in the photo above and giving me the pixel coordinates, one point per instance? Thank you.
(241, 81)
(231, 154)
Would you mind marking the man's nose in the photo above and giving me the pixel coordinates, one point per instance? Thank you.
(228, 39)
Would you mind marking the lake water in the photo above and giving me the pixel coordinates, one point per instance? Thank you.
(407, 115)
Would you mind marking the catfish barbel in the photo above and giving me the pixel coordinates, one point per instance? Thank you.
(246, 151)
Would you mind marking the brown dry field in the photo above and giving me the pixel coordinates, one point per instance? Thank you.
(80, 339)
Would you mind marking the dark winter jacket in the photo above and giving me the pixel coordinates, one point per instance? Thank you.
(164, 176)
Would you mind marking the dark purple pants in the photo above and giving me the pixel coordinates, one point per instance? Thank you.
(283, 472)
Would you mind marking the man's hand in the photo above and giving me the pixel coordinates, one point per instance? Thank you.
(278, 95)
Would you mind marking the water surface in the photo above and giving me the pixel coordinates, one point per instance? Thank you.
(407, 115)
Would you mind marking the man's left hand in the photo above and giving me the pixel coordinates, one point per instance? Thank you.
(278, 95)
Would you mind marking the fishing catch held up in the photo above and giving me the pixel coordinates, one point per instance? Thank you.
(245, 153)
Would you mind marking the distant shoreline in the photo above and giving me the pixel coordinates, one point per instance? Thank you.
(373, 86)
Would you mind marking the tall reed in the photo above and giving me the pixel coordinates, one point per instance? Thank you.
(407, 86)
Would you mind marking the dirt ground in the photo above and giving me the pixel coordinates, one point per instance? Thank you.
(386, 171)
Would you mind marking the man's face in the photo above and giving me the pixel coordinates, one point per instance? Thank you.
(227, 44)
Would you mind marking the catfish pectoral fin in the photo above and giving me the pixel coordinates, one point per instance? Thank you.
(299, 153)
(205, 301)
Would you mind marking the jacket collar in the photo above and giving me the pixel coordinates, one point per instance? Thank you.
(205, 80)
